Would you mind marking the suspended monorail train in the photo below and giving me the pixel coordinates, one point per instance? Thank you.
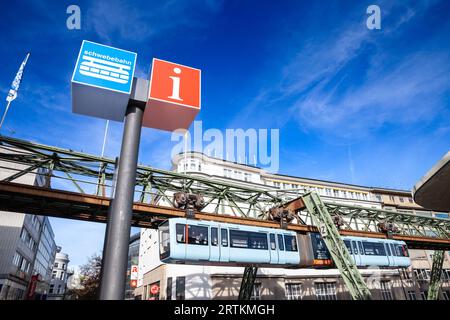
(187, 241)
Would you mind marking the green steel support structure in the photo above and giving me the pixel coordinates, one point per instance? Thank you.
(436, 275)
(248, 282)
(330, 234)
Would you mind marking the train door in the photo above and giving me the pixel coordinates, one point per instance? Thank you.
(273, 249)
(394, 254)
(281, 249)
(224, 244)
(214, 249)
(356, 254)
(389, 255)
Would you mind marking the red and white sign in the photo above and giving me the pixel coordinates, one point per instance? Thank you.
(133, 283)
(134, 272)
(154, 289)
(174, 96)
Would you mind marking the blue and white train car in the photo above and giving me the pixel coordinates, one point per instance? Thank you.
(211, 243)
(368, 252)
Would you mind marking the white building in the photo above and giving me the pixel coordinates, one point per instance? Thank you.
(60, 274)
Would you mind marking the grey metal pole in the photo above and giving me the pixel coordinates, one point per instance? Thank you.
(115, 256)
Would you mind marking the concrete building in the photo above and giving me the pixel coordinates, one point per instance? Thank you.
(208, 282)
(133, 260)
(60, 274)
(27, 246)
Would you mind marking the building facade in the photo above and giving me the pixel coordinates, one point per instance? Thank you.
(27, 246)
(210, 282)
(59, 276)
(133, 260)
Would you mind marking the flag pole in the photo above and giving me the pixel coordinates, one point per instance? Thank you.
(4, 114)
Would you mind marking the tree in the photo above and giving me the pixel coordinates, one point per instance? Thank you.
(89, 280)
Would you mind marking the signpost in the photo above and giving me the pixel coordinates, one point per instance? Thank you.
(103, 86)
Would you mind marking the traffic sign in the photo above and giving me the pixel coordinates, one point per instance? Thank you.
(174, 96)
(102, 81)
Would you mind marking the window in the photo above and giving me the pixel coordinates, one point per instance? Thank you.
(273, 245)
(349, 248)
(224, 237)
(214, 237)
(63, 266)
(446, 295)
(54, 274)
(410, 200)
(180, 230)
(237, 175)
(169, 289)
(197, 235)
(294, 291)
(280, 242)
(276, 184)
(247, 177)
(422, 274)
(56, 265)
(16, 259)
(180, 288)
(411, 295)
(256, 293)
(361, 251)
(325, 291)
(291, 243)
(355, 247)
(61, 276)
(364, 195)
(227, 173)
(52, 286)
(248, 240)
(386, 290)
(391, 198)
(424, 294)
(344, 194)
(336, 193)
(374, 249)
(328, 192)
(401, 199)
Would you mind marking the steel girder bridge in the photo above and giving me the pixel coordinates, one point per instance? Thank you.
(80, 186)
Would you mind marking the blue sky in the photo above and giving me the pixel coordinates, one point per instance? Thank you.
(361, 106)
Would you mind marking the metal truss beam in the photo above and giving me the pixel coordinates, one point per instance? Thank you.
(436, 275)
(330, 234)
(248, 283)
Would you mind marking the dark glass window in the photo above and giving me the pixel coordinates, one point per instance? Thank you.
(214, 237)
(361, 251)
(374, 249)
(349, 248)
(280, 242)
(248, 240)
(198, 235)
(273, 244)
(169, 289)
(181, 231)
(355, 247)
(224, 237)
(291, 243)
(180, 288)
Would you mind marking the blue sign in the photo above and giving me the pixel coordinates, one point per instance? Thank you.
(105, 67)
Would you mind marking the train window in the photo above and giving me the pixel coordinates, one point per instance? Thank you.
(392, 249)
(214, 237)
(197, 235)
(349, 248)
(374, 249)
(164, 240)
(405, 251)
(248, 240)
(280, 242)
(355, 247)
(224, 237)
(388, 250)
(273, 245)
(258, 240)
(180, 231)
(361, 251)
(291, 243)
